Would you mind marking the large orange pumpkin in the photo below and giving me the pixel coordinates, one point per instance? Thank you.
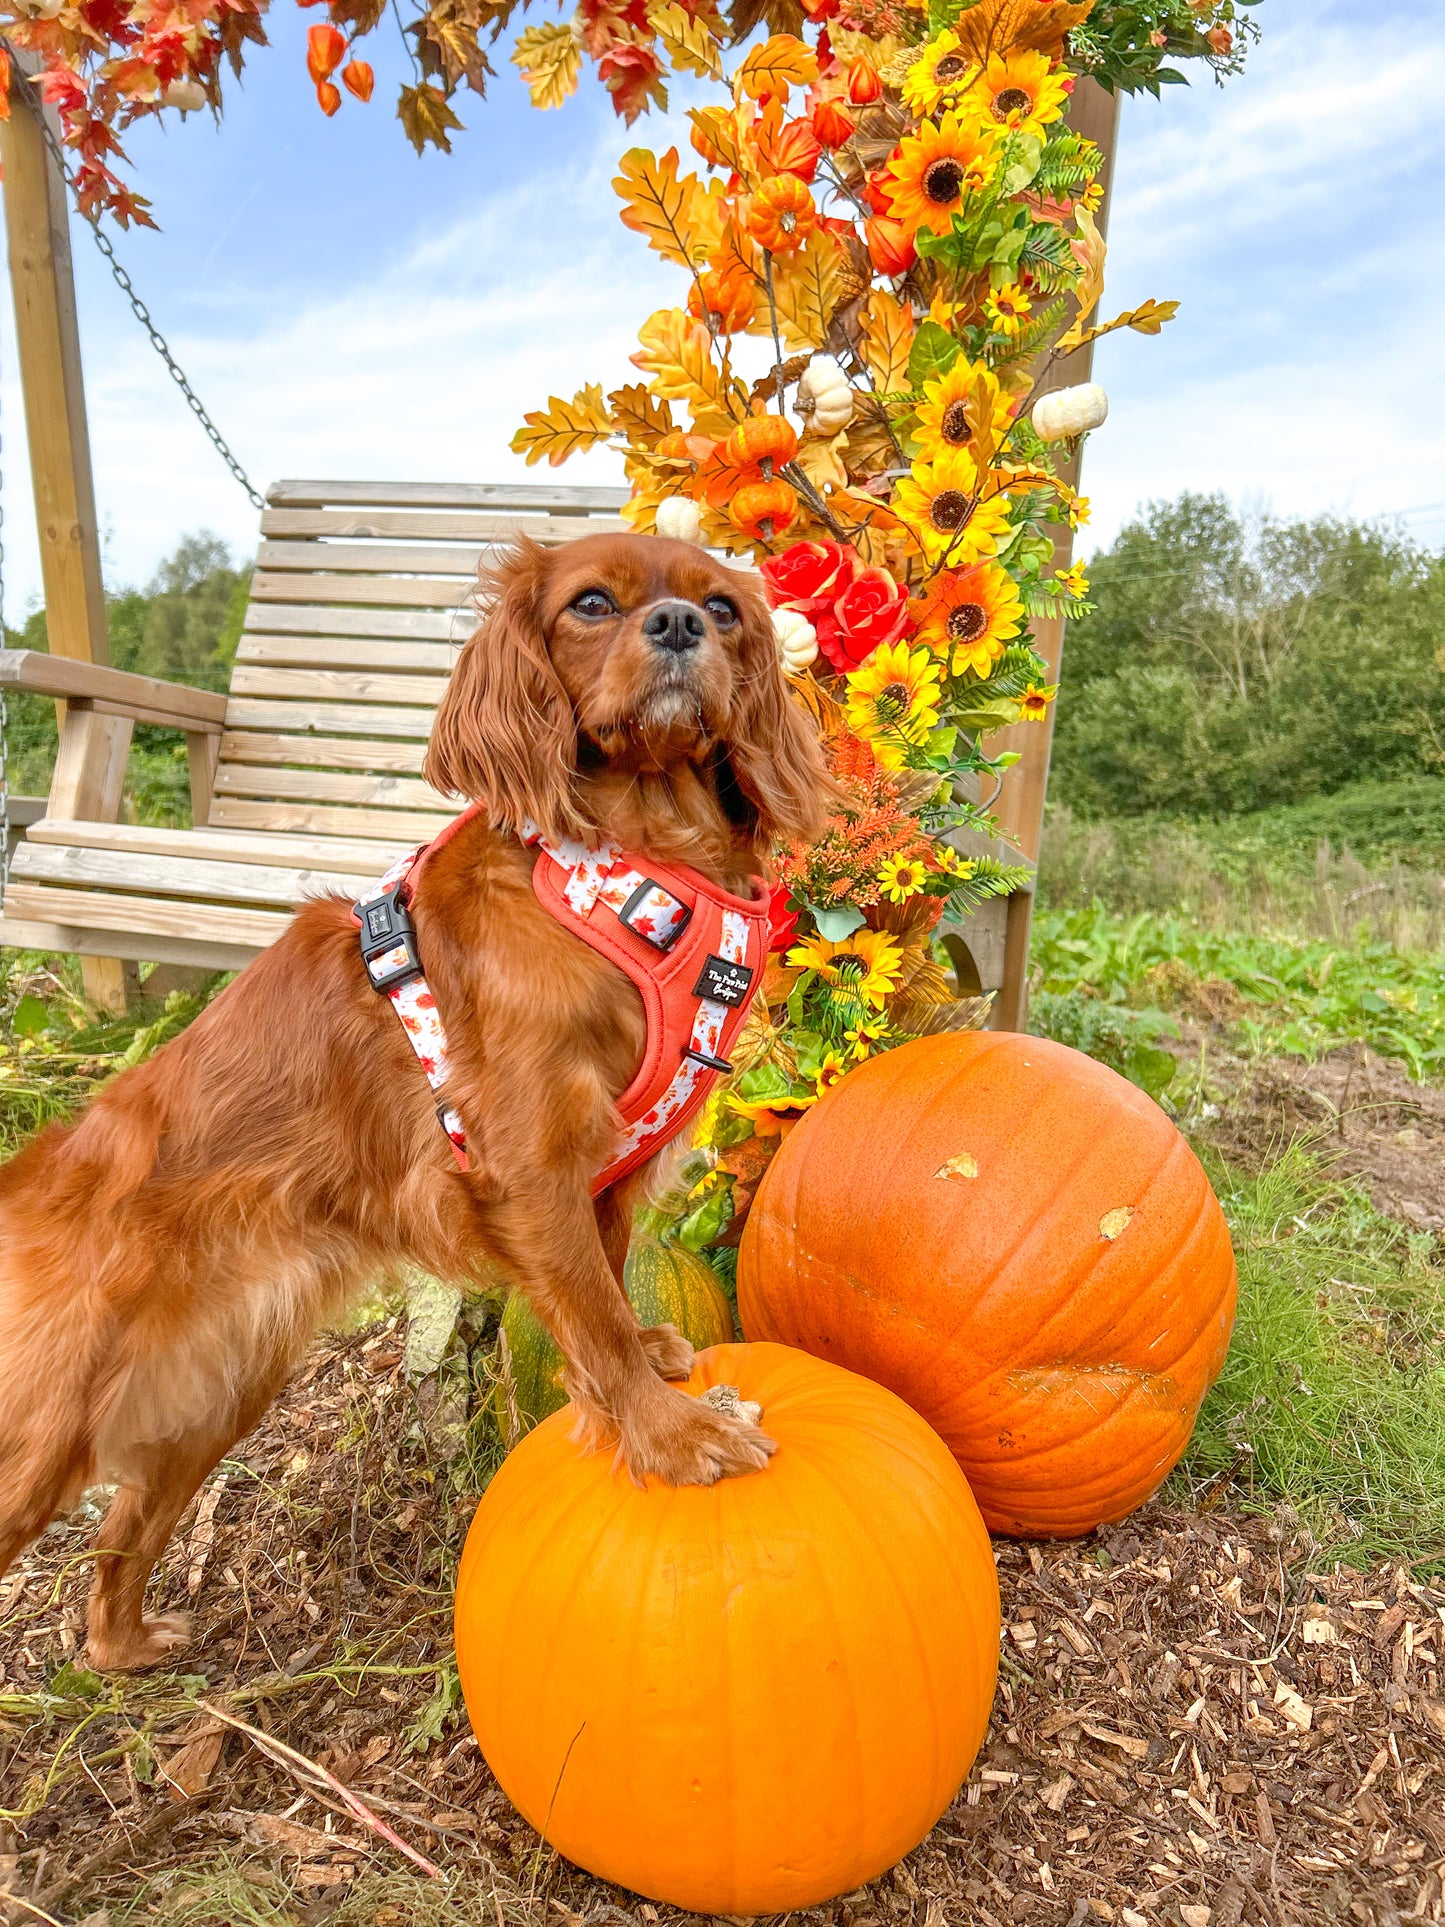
(1021, 1244)
(747, 1697)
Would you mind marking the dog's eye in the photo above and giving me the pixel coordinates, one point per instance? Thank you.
(721, 610)
(593, 605)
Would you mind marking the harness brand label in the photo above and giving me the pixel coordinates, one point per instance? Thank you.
(724, 982)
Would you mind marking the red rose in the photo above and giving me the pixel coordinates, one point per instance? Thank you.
(782, 922)
(873, 609)
(808, 576)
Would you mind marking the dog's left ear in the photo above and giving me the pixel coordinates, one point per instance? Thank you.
(772, 744)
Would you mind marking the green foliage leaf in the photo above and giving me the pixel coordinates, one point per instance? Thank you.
(933, 353)
(30, 1018)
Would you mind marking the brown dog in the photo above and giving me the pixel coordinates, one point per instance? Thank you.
(164, 1260)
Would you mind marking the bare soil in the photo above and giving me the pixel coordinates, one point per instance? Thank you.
(1195, 1725)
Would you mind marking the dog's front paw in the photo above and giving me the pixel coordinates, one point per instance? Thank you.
(682, 1441)
(128, 1650)
(668, 1352)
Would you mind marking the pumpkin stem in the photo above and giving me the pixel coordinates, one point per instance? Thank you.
(728, 1400)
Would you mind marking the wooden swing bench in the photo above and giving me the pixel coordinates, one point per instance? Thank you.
(306, 776)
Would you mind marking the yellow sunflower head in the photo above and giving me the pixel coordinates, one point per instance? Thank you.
(949, 415)
(1006, 309)
(1073, 581)
(940, 73)
(1034, 702)
(902, 877)
(863, 966)
(893, 701)
(1017, 91)
(970, 617)
(935, 171)
(939, 501)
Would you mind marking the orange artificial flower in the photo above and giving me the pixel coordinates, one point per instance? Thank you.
(783, 214)
(864, 83)
(324, 50)
(328, 95)
(932, 175)
(890, 245)
(832, 127)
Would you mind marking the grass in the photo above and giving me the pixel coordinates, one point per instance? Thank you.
(1332, 1399)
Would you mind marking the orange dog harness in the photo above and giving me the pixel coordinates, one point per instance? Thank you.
(694, 951)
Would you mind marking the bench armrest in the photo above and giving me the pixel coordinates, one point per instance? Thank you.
(113, 692)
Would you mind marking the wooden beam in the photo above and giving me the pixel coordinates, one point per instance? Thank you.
(1020, 806)
(48, 347)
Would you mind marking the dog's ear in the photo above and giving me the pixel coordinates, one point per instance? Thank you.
(772, 746)
(505, 734)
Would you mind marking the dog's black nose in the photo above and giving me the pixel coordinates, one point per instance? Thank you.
(678, 626)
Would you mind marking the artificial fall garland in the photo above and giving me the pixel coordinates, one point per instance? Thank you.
(894, 204)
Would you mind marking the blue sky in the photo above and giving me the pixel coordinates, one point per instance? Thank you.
(347, 309)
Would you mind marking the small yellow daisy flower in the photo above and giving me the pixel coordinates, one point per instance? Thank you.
(1078, 511)
(832, 1068)
(1073, 581)
(951, 863)
(902, 877)
(863, 1036)
(1034, 702)
(1006, 308)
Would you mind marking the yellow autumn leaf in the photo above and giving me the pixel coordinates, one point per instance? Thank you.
(550, 61)
(781, 62)
(691, 44)
(677, 217)
(677, 352)
(640, 415)
(563, 427)
(427, 117)
(822, 460)
(718, 137)
(1090, 250)
(887, 330)
(805, 291)
(1147, 320)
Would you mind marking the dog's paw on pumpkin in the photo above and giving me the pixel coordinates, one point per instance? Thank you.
(682, 1441)
(668, 1352)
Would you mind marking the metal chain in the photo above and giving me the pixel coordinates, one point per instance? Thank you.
(143, 316)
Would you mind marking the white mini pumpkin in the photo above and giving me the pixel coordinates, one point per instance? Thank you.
(1070, 411)
(825, 400)
(188, 95)
(796, 638)
(679, 518)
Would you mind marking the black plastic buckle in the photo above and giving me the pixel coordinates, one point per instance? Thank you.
(387, 927)
(677, 913)
(712, 1063)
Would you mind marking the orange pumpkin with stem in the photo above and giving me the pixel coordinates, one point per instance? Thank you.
(1022, 1245)
(763, 509)
(740, 1698)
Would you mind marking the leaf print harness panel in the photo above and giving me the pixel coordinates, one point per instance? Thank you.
(694, 951)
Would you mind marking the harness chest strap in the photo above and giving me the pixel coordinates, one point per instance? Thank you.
(695, 964)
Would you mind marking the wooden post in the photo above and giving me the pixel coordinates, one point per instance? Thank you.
(90, 773)
(1020, 806)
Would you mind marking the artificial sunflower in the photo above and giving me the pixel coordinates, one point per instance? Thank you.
(933, 173)
(940, 502)
(863, 966)
(941, 73)
(1018, 91)
(902, 877)
(864, 1035)
(1073, 581)
(893, 701)
(1035, 700)
(951, 863)
(1006, 308)
(970, 615)
(948, 413)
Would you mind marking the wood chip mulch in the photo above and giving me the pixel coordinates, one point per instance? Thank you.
(1200, 1721)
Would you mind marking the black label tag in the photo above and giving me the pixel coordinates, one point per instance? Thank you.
(724, 982)
(378, 920)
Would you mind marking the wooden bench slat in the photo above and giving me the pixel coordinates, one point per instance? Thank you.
(328, 719)
(322, 752)
(380, 591)
(330, 652)
(325, 819)
(327, 786)
(353, 856)
(449, 562)
(445, 495)
(173, 876)
(336, 685)
(89, 939)
(419, 625)
(142, 916)
(436, 525)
